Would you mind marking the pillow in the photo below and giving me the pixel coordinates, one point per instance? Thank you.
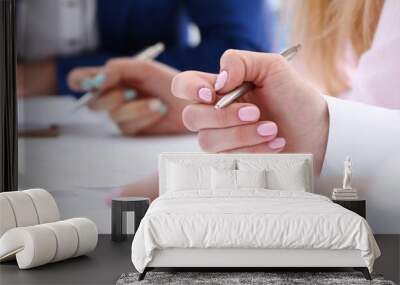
(236, 179)
(282, 174)
(251, 178)
(223, 179)
(292, 179)
(186, 174)
(184, 177)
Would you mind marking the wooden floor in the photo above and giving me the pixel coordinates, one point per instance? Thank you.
(389, 262)
(110, 260)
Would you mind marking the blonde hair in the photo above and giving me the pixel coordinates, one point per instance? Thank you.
(326, 28)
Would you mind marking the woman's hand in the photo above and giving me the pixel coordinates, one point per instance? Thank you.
(152, 111)
(281, 99)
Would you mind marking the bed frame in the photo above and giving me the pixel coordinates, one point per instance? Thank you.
(246, 259)
(234, 259)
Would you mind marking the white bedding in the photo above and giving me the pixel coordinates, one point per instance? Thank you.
(250, 218)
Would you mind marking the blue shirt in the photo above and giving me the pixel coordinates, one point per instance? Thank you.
(128, 26)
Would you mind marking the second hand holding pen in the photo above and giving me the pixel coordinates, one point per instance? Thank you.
(230, 97)
(148, 53)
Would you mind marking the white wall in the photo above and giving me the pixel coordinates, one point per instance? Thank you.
(379, 184)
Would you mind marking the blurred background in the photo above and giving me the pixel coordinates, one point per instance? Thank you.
(83, 142)
(86, 146)
(80, 155)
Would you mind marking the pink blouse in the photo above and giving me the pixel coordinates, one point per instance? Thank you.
(376, 80)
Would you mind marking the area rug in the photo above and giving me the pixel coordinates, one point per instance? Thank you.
(244, 278)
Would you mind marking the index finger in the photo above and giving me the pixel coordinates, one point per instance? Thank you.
(131, 71)
(194, 86)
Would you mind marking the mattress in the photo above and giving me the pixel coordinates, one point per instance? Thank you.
(252, 219)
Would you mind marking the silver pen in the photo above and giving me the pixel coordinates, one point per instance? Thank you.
(150, 52)
(230, 97)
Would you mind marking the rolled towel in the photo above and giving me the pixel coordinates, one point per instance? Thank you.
(23, 208)
(67, 239)
(26, 208)
(40, 244)
(7, 218)
(32, 246)
(87, 233)
(45, 205)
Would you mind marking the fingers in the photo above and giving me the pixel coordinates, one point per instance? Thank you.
(194, 86)
(133, 127)
(242, 66)
(136, 110)
(112, 99)
(109, 101)
(199, 116)
(79, 78)
(131, 117)
(115, 72)
(276, 145)
(219, 140)
(236, 67)
(234, 128)
(132, 71)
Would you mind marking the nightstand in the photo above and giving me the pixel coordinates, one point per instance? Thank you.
(121, 207)
(357, 206)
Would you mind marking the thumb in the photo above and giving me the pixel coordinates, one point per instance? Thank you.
(245, 66)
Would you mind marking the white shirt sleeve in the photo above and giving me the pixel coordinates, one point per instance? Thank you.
(371, 136)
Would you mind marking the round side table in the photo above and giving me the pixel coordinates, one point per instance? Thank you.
(122, 207)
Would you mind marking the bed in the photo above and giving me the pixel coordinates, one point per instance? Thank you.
(247, 211)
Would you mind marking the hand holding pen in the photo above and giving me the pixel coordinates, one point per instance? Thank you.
(135, 92)
(91, 84)
(228, 99)
(280, 112)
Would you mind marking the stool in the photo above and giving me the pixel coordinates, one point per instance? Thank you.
(121, 206)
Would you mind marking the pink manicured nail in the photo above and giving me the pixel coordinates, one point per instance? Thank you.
(267, 129)
(249, 114)
(221, 80)
(205, 94)
(277, 143)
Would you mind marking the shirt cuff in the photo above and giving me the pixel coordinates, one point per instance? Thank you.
(365, 133)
